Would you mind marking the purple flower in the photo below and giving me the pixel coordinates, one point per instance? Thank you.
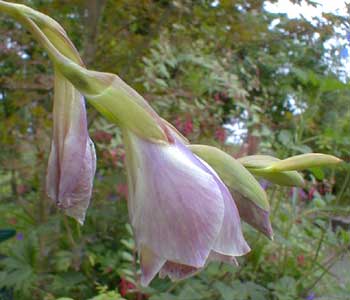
(20, 236)
(311, 296)
(72, 160)
(264, 184)
(182, 214)
(302, 195)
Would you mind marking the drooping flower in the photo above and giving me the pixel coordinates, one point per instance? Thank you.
(182, 213)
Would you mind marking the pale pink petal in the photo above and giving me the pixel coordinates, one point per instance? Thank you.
(150, 265)
(77, 202)
(73, 147)
(214, 256)
(230, 240)
(177, 271)
(177, 206)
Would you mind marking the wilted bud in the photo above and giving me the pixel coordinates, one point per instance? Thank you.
(182, 214)
(72, 161)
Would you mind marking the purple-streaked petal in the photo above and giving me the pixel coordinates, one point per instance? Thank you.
(77, 203)
(237, 178)
(177, 271)
(230, 240)
(73, 142)
(150, 265)
(177, 206)
(253, 214)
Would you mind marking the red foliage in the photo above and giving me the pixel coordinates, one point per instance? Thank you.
(21, 189)
(220, 134)
(301, 260)
(122, 190)
(125, 286)
(185, 127)
(101, 136)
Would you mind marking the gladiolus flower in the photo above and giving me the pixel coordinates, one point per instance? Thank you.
(182, 213)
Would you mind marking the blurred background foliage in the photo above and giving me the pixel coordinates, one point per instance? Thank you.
(224, 74)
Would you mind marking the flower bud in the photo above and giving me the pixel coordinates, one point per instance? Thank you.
(258, 166)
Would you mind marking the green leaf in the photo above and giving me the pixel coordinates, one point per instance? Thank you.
(6, 234)
(225, 291)
(318, 173)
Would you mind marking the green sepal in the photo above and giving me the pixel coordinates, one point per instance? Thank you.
(6, 234)
(234, 174)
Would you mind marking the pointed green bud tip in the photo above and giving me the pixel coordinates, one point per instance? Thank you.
(304, 161)
(52, 29)
(258, 166)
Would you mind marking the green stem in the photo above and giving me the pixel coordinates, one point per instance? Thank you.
(69, 232)
(274, 204)
(320, 242)
(343, 188)
(326, 270)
